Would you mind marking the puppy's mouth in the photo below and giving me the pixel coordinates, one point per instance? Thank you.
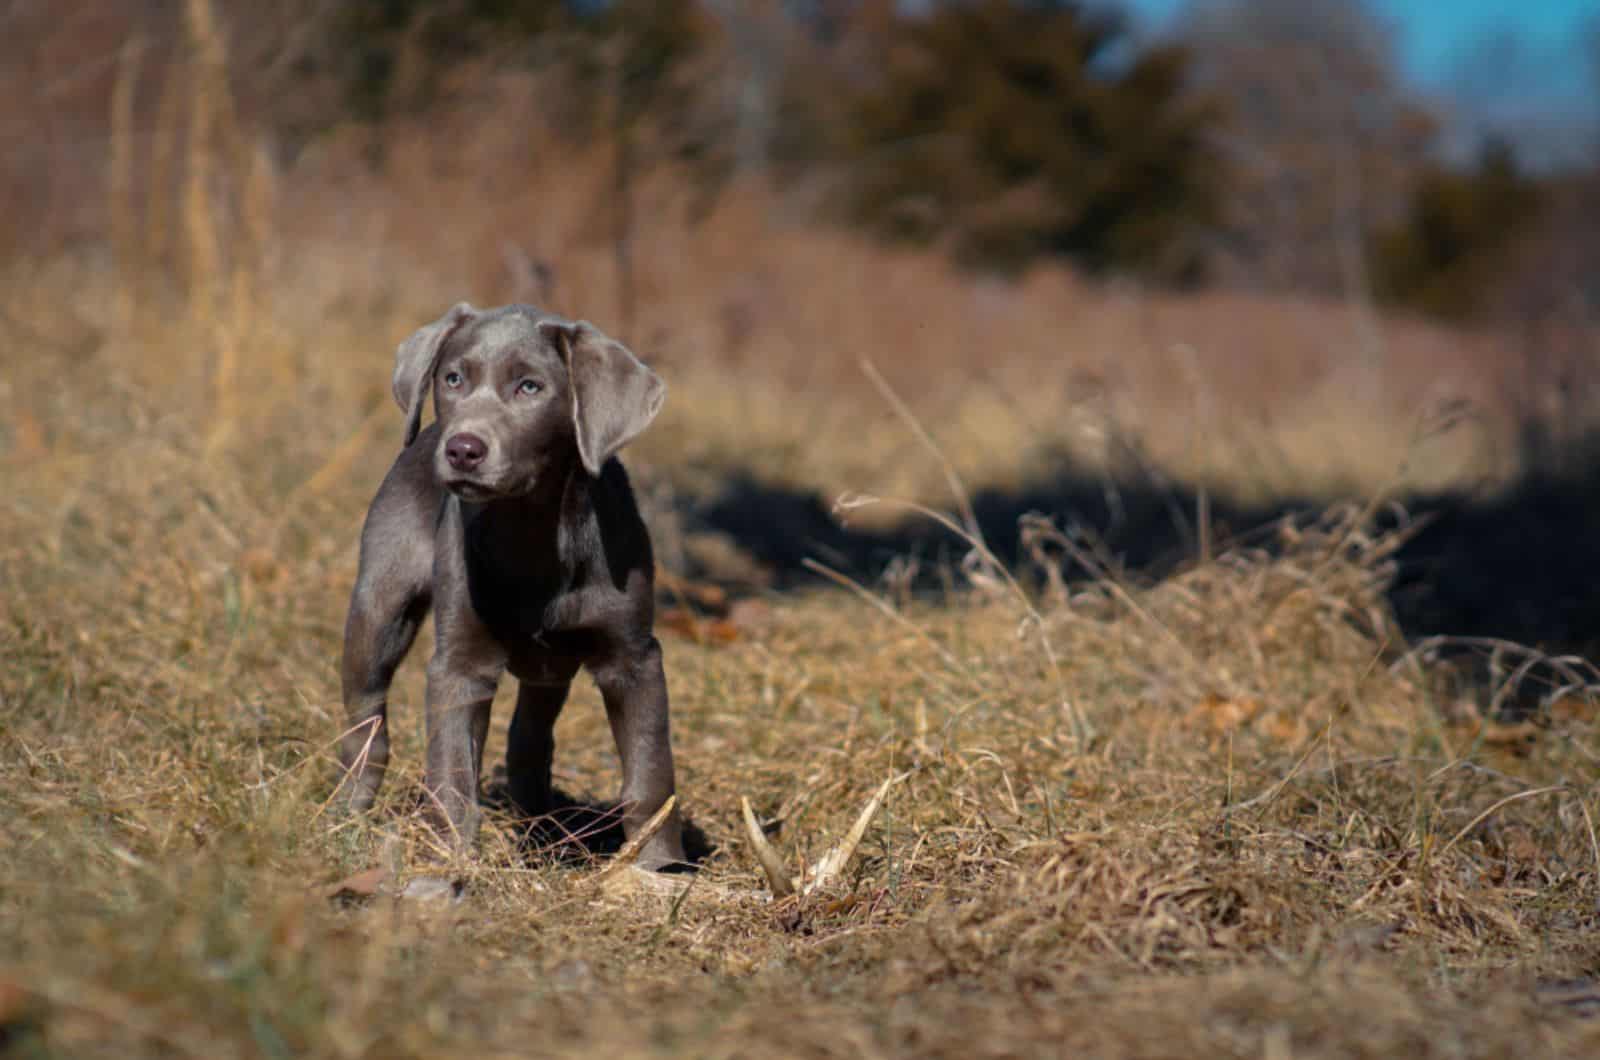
(472, 490)
(480, 490)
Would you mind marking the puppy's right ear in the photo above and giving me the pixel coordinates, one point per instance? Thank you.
(414, 361)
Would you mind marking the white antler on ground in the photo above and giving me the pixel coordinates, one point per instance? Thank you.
(771, 863)
(830, 867)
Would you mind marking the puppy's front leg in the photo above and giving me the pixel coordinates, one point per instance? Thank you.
(634, 687)
(462, 676)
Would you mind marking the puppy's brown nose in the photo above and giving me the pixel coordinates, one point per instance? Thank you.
(465, 451)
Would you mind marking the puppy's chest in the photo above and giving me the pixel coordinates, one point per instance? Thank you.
(541, 612)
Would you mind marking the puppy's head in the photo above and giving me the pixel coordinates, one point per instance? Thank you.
(519, 395)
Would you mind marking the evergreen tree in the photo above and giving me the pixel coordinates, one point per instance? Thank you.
(1024, 129)
(1454, 244)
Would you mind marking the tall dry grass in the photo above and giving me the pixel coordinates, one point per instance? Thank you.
(1226, 815)
(760, 317)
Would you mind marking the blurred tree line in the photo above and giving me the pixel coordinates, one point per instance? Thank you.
(1264, 144)
(1269, 144)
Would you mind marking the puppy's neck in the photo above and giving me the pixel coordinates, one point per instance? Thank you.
(530, 533)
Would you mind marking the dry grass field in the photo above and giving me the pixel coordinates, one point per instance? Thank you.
(1226, 814)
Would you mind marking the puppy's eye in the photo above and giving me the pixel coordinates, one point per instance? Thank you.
(528, 386)
(452, 379)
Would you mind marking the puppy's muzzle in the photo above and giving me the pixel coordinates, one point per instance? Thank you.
(465, 451)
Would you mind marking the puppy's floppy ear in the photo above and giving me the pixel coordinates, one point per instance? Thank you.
(414, 361)
(614, 394)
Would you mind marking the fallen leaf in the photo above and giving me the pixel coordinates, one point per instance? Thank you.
(13, 1003)
(27, 435)
(1287, 728)
(705, 594)
(361, 886)
(1570, 709)
(700, 630)
(1221, 715)
(260, 566)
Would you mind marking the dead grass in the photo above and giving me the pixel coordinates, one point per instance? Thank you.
(1224, 815)
(1274, 844)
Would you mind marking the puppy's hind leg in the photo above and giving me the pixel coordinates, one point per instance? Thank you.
(531, 745)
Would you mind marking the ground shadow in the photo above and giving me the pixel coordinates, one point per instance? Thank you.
(1143, 529)
(1521, 564)
(576, 830)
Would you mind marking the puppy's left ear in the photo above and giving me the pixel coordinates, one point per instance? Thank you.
(614, 394)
